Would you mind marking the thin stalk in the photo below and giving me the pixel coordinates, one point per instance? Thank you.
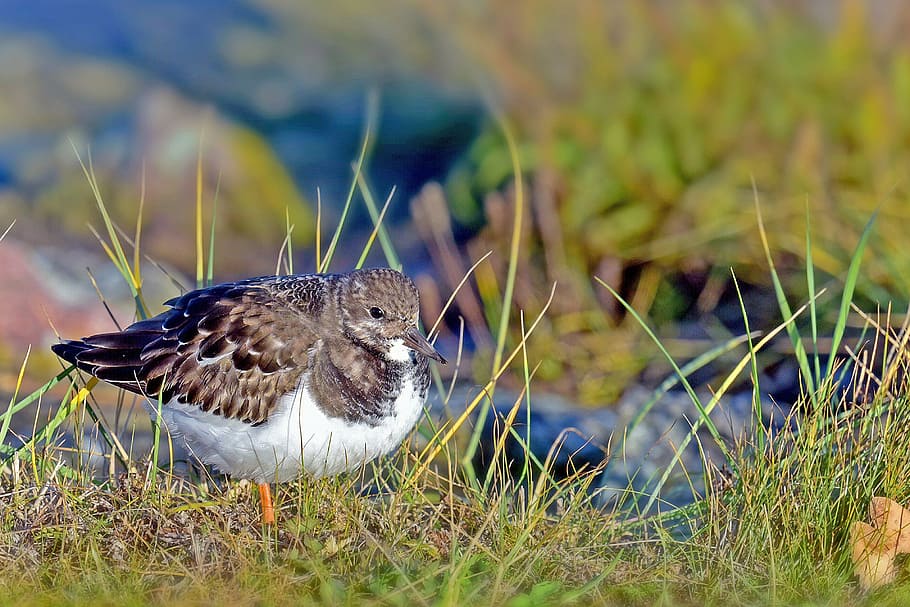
(508, 291)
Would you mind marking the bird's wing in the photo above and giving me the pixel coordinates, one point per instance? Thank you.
(232, 349)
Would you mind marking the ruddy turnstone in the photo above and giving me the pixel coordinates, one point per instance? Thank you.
(270, 377)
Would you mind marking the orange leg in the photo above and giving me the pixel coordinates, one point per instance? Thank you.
(265, 499)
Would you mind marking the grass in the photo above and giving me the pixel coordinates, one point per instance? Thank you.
(425, 528)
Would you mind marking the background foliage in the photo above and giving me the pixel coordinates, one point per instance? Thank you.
(643, 127)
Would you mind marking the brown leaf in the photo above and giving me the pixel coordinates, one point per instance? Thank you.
(873, 561)
(894, 520)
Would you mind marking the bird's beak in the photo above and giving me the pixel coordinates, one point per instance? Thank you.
(417, 342)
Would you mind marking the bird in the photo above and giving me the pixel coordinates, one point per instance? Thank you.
(273, 377)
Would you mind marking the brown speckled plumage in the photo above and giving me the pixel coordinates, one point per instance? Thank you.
(234, 349)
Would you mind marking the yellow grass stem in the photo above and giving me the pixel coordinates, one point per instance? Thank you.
(508, 291)
(431, 451)
(137, 271)
(318, 230)
(377, 225)
(505, 312)
(451, 298)
(9, 416)
(84, 392)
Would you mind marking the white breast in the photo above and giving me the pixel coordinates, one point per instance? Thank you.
(297, 437)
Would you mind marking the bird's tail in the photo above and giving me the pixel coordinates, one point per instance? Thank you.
(69, 349)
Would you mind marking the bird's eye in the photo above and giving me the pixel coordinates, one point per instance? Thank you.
(376, 313)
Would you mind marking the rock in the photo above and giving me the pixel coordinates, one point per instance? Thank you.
(46, 291)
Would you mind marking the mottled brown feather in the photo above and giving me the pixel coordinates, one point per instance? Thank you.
(233, 349)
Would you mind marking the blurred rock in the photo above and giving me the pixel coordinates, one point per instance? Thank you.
(571, 438)
(46, 291)
(160, 147)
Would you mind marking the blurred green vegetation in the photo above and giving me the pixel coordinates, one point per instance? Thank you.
(642, 127)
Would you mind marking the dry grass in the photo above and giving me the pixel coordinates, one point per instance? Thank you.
(172, 540)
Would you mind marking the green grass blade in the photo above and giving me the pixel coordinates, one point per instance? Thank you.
(800, 351)
(137, 240)
(369, 127)
(156, 436)
(210, 270)
(753, 366)
(25, 402)
(508, 291)
(119, 258)
(115, 252)
(688, 369)
(810, 283)
(703, 412)
(505, 312)
(847, 296)
(715, 399)
(67, 406)
(385, 241)
(200, 258)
